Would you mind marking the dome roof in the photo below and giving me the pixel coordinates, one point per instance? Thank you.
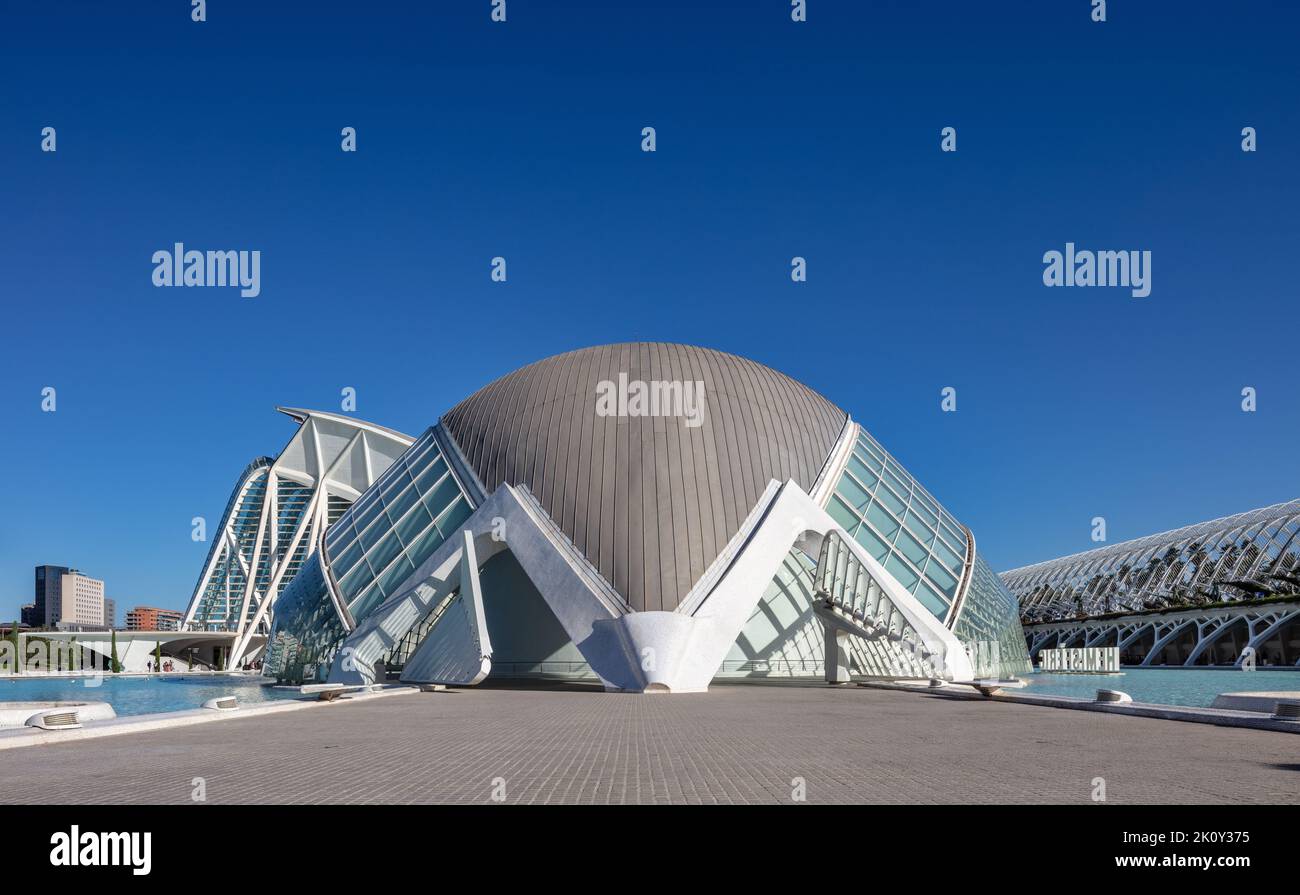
(651, 500)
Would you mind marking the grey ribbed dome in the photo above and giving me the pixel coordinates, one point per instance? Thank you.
(650, 501)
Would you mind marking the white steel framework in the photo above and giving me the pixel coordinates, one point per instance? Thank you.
(1237, 557)
(277, 516)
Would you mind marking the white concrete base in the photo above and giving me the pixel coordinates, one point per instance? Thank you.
(1118, 697)
(1254, 701)
(17, 714)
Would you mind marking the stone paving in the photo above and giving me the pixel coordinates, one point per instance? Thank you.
(735, 744)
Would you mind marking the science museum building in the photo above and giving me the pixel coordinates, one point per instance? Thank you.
(648, 517)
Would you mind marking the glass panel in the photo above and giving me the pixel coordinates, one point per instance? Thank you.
(872, 543)
(394, 575)
(355, 581)
(415, 457)
(870, 448)
(847, 519)
(899, 569)
(940, 576)
(918, 528)
(442, 494)
(953, 532)
(852, 493)
(364, 517)
(384, 552)
(397, 479)
(885, 496)
(425, 545)
(901, 486)
(947, 557)
(413, 524)
(882, 521)
(343, 563)
(398, 505)
(931, 600)
(455, 517)
(869, 461)
(427, 478)
(931, 509)
(375, 532)
(369, 599)
(864, 475)
(911, 548)
(920, 509)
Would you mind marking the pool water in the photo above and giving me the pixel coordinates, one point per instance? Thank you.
(1168, 686)
(143, 695)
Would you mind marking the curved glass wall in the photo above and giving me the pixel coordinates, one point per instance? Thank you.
(900, 524)
(308, 629)
(989, 625)
(370, 553)
(394, 527)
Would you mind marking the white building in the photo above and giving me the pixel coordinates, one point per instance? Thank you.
(719, 520)
(276, 519)
(77, 603)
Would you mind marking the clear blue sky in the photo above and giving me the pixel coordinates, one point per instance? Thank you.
(775, 139)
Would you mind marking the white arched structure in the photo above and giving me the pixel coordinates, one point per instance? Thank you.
(277, 516)
(649, 651)
(1262, 622)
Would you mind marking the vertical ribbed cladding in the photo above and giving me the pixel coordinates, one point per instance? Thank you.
(650, 501)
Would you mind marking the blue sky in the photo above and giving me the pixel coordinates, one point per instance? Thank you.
(522, 140)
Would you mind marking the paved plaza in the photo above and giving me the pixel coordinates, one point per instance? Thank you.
(735, 744)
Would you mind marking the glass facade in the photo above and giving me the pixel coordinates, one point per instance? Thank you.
(989, 625)
(308, 629)
(920, 543)
(222, 585)
(223, 581)
(371, 553)
(394, 527)
(900, 525)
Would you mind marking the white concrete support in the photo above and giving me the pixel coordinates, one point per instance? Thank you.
(686, 651)
(836, 641)
(509, 519)
(645, 652)
(1271, 624)
(1263, 622)
(458, 649)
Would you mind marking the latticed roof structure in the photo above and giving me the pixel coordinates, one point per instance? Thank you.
(1237, 557)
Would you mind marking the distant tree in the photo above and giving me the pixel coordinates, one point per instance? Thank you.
(157, 655)
(114, 663)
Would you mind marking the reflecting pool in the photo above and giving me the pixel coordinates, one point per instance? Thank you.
(143, 695)
(1169, 686)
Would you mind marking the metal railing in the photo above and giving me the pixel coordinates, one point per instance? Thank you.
(845, 586)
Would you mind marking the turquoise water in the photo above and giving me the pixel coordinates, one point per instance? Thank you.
(1168, 686)
(143, 695)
